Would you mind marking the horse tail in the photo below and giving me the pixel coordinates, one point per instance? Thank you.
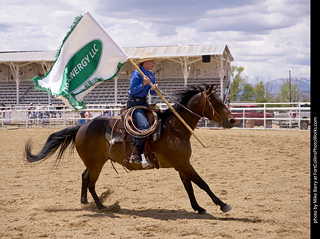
(61, 139)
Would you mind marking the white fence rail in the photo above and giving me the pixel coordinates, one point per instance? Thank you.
(248, 115)
(272, 115)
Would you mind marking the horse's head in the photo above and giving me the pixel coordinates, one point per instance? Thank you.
(214, 109)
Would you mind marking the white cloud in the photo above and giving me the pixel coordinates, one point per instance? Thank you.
(266, 37)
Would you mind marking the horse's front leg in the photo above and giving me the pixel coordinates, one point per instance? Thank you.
(194, 204)
(189, 173)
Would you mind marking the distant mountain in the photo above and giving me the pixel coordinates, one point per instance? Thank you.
(303, 84)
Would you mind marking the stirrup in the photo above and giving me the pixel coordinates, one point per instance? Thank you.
(146, 164)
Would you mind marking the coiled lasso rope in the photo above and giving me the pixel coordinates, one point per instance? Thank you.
(133, 130)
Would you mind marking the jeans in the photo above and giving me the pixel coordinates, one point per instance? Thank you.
(139, 118)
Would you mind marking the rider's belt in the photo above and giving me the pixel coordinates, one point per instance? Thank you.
(137, 98)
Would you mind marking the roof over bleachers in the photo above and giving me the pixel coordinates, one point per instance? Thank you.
(133, 52)
(26, 56)
(180, 51)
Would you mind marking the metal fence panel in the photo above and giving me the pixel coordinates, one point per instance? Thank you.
(247, 115)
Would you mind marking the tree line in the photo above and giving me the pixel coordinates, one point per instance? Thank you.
(242, 90)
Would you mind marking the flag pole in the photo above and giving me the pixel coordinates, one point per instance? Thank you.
(168, 104)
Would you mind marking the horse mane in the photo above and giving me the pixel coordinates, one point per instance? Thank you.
(183, 96)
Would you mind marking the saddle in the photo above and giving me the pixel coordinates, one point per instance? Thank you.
(117, 127)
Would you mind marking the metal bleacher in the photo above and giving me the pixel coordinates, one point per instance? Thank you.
(104, 93)
(177, 66)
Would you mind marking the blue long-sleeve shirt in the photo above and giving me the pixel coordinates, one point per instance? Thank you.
(136, 80)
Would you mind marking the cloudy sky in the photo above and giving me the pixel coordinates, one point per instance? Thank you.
(267, 37)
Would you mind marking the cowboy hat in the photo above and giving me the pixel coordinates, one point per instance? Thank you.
(146, 56)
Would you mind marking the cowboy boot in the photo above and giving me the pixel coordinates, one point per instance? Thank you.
(135, 157)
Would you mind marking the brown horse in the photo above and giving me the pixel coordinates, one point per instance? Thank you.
(172, 150)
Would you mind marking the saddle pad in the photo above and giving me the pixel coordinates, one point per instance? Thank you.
(116, 137)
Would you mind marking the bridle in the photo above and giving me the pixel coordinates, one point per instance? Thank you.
(207, 101)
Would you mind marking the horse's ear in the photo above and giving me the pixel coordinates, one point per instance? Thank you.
(212, 89)
(209, 90)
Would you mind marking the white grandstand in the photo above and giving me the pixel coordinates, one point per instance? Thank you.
(178, 66)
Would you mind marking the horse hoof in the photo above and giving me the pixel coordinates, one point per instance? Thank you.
(85, 202)
(101, 207)
(226, 208)
(202, 211)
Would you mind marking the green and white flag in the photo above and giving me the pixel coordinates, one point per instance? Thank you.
(88, 55)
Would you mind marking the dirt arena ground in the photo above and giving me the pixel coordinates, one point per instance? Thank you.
(262, 174)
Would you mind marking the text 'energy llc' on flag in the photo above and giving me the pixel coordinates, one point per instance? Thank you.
(88, 56)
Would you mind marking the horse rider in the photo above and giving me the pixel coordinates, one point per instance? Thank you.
(139, 89)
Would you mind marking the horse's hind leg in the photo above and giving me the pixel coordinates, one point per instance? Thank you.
(93, 177)
(88, 181)
(84, 188)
